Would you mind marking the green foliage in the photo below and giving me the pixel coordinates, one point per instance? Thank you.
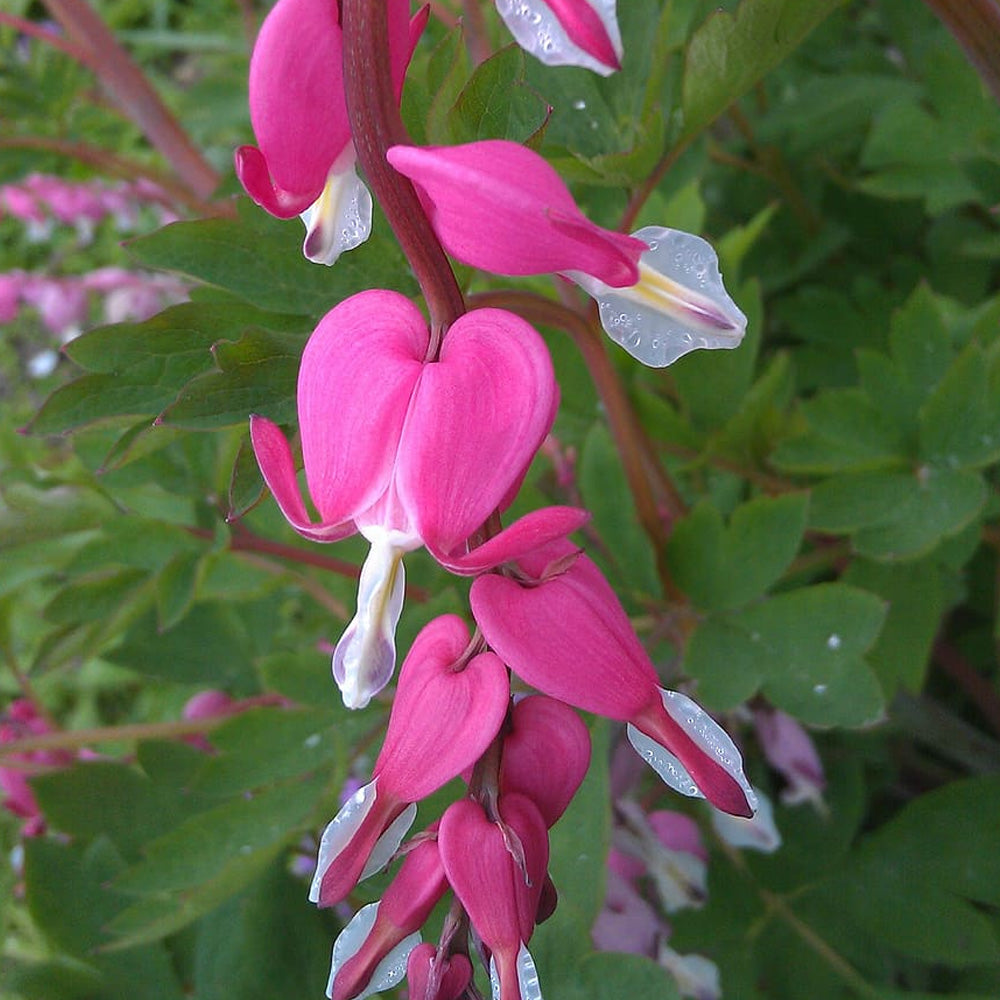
(827, 493)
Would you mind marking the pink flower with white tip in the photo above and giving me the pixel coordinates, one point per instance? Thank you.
(305, 161)
(447, 709)
(564, 632)
(500, 207)
(566, 32)
(412, 451)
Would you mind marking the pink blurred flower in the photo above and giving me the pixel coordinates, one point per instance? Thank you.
(566, 32)
(789, 749)
(410, 451)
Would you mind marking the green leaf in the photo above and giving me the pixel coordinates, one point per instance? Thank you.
(497, 103)
(803, 649)
(176, 588)
(940, 505)
(729, 53)
(722, 567)
(256, 374)
(260, 260)
(28, 514)
(916, 597)
(606, 494)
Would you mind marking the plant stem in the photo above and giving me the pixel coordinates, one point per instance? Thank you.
(976, 26)
(135, 95)
(376, 126)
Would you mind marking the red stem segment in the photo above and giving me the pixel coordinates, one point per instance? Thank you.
(976, 26)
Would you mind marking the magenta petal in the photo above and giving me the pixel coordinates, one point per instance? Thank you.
(453, 974)
(441, 720)
(585, 28)
(297, 103)
(492, 207)
(357, 375)
(545, 754)
(278, 469)
(478, 415)
(569, 638)
(253, 174)
(522, 537)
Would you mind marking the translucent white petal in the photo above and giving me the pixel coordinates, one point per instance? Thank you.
(705, 732)
(527, 976)
(538, 31)
(494, 979)
(387, 845)
(339, 219)
(388, 972)
(679, 304)
(365, 656)
(759, 833)
(696, 976)
(339, 832)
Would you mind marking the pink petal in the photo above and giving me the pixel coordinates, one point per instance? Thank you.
(278, 469)
(452, 975)
(586, 29)
(357, 375)
(492, 205)
(297, 98)
(253, 173)
(530, 532)
(478, 415)
(677, 832)
(569, 638)
(441, 720)
(545, 754)
(492, 888)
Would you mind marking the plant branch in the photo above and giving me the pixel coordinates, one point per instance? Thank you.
(973, 683)
(134, 94)
(976, 26)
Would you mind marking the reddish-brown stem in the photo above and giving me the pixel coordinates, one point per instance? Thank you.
(649, 185)
(133, 92)
(976, 26)
(973, 683)
(474, 29)
(376, 126)
(34, 30)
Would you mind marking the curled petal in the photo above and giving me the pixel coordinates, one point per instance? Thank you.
(278, 469)
(678, 305)
(253, 174)
(498, 206)
(340, 219)
(442, 718)
(365, 656)
(566, 32)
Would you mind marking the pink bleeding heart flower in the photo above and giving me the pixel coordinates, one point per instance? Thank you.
(445, 713)
(370, 953)
(660, 291)
(306, 161)
(432, 976)
(569, 637)
(566, 32)
(789, 749)
(500, 896)
(412, 452)
(545, 755)
(626, 921)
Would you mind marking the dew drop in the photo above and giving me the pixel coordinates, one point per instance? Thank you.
(579, 105)
(311, 742)
(833, 642)
(819, 689)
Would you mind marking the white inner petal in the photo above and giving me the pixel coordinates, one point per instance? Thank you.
(679, 304)
(538, 31)
(339, 219)
(663, 762)
(527, 976)
(339, 832)
(365, 656)
(758, 833)
(388, 972)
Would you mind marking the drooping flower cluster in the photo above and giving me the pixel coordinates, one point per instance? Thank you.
(419, 435)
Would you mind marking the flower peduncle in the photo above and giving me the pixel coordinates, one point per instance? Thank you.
(376, 125)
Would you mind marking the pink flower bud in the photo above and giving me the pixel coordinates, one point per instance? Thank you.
(431, 976)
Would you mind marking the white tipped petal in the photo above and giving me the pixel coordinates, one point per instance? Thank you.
(679, 304)
(527, 975)
(339, 831)
(696, 976)
(365, 656)
(340, 219)
(759, 833)
(389, 972)
(387, 845)
(538, 31)
(663, 762)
